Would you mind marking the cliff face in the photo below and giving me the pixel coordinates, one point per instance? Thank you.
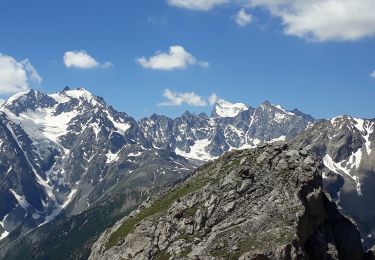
(264, 203)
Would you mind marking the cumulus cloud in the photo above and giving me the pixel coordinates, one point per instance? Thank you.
(317, 20)
(16, 76)
(186, 98)
(212, 99)
(82, 60)
(201, 5)
(176, 58)
(373, 74)
(242, 18)
(324, 20)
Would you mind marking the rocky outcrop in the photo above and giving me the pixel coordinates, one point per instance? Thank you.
(265, 203)
(346, 145)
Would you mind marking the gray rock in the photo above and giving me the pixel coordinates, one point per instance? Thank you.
(280, 214)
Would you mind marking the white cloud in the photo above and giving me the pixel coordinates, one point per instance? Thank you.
(324, 20)
(212, 99)
(201, 5)
(82, 60)
(373, 74)
(242, 18)
(317, 20)
(176, 58)
(16, 76)
(188, 98)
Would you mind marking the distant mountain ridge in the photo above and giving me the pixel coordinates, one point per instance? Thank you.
(231, 126)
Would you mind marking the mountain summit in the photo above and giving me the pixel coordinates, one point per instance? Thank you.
(224, 108)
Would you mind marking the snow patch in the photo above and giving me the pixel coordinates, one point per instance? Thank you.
(284, 110)
(69, 199)
(278, 139)
(111, 157)
(197, 151)
(95, 128)
(135, 154)
(5, 233)
(366, 128)
(22, 201)
(43, 123)
(339, 168)
(60, 97)
(224, 108)
(82, 94)
(121, 126)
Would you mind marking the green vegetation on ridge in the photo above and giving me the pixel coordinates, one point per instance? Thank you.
(158, 206)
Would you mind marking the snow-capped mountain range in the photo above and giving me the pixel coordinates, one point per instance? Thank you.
(230, 126)
(65, 151)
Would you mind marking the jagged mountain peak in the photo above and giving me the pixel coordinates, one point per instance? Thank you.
(267, 104)
(28, 100)
(71, 110)
(353, 123)
(23, 95)
(16, 96)
(81, 94)
(34, 99)
(224, 108)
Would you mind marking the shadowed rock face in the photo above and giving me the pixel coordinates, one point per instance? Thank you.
(346, 145)
(265, 203)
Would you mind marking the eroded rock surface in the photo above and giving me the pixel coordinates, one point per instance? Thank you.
(264, 203)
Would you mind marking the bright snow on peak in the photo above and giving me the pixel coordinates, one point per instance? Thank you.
(224, 108)
(79, 93)
(16, 96)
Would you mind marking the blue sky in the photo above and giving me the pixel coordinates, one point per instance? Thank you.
(322, 68)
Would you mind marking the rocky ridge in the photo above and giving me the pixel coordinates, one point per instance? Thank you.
(264, 203)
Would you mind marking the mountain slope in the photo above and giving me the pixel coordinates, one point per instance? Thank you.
(72, 237)
(265, 203)
(71, 149)
(25, 195)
